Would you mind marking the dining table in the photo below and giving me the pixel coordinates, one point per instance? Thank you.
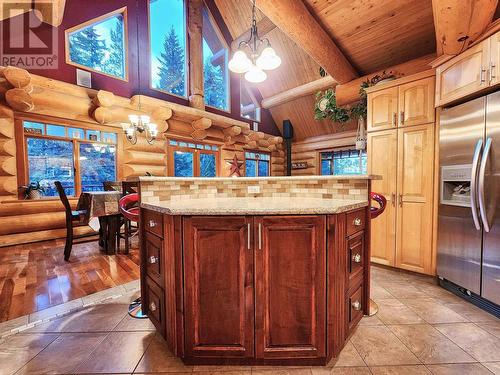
(103, 214)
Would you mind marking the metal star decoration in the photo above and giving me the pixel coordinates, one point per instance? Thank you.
(235, 166)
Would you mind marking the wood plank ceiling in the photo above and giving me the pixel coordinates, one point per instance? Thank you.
(373, 34)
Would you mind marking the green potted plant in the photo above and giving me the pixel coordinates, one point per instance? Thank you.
(34, 190)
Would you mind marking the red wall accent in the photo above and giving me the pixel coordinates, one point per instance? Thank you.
(77, 12)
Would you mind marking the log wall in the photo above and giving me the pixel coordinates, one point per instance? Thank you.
(22, 93)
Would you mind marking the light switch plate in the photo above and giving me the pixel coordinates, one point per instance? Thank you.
(253, 189)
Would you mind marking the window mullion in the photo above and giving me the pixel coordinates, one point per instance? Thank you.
(76, 161)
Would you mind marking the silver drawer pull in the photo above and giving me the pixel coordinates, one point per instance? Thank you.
(357, 222)
(152, 223)
(356, 305)
(152, 306)
(356, 258)
(153, 259)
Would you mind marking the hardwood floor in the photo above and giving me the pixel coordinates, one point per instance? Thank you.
(35, 276)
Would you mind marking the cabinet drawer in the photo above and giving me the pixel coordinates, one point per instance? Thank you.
(355, 221)
(356, 257)
(153, 222)
(156, 305)
(154, 258)
(354, 307)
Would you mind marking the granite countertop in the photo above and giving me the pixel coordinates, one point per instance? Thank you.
(255, 206)
(272, 178)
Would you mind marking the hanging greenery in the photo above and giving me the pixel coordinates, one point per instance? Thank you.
(326, 102)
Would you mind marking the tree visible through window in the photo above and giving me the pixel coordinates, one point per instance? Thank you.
(257, 164)
(168, 46)
(55, 158)
(100, 46)
(343, 162)
(215, 71)
(192, 159)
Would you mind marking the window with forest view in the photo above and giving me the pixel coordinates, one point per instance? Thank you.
(215, 60)
(167, 23)
(100, 46)
(192, 159)
(60, 153)
(343, 162)
(257, 164)
(249, 104)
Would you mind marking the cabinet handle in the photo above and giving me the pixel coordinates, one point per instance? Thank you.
(393, 199)
(152, 223)
(402, 117)
(356, 305)
(394, 118)
(492, 72)
(153, 259)
(481, 75)
(152, 306)
(357, 222)
(400, 200)
(356, 258)
(260, 236)
(248, 236)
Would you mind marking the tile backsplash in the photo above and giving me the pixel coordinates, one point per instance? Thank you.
(160, 189)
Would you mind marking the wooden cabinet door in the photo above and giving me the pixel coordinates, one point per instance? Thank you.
(382, 161)
(415, 188)
(494, 77)
(416, 102)
(463, 75)
(382, 109)
(219, 287)
(290, 277)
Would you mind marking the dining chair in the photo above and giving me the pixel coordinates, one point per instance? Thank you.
(73, 218)
(112, 186)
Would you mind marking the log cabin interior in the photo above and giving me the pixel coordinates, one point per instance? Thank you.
(250, 186)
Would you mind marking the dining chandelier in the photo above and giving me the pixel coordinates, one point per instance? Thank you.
(139, 124)
(260, 59)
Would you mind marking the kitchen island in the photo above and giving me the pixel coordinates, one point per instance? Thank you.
(255, 270)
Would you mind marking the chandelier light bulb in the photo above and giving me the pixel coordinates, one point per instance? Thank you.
(145, 119)
(134, 119)
(239, 63)
(268, 59)
(153, 130)
(255, 75)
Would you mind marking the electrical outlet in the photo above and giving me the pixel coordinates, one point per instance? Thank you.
(253, 189)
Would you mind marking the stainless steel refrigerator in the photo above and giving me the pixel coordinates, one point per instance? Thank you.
(468, 260)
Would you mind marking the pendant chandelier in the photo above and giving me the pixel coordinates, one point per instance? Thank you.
(260, 59)
(139, 124)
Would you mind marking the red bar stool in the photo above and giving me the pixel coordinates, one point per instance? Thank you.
(130, 210)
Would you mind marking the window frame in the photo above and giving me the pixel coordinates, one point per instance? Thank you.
(223, 41)
(124, 12)
(255, 102)
(186, 54)
(332, 150)
(258, 161)
(171, 149)
(22, 148)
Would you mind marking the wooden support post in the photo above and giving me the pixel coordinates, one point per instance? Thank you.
(195, 26)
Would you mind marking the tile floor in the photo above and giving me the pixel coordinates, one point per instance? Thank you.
(420, 329)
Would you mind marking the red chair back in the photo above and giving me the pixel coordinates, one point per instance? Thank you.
(382, 202)
(128, 206)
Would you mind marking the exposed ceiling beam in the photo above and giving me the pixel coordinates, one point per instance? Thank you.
(298, 92)
(295, 20)
(460, 23)
(264, 26)
(348, 92)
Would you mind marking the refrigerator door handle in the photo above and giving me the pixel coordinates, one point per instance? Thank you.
(473, 181)
(482, 171)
